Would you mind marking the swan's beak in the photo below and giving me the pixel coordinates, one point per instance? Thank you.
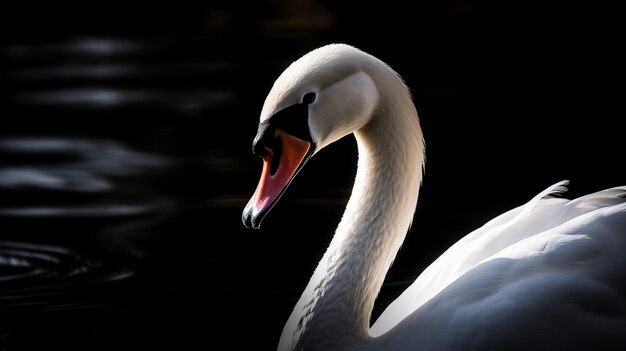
(280, 165)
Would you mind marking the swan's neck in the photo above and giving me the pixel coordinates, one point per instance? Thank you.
(336, 306)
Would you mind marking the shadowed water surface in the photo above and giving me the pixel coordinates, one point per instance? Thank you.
(95, 182)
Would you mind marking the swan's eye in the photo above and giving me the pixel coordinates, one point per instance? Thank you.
(308, 98)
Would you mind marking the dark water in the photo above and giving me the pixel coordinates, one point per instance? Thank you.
(125, 155)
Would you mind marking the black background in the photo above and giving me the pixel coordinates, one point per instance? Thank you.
(512, 96)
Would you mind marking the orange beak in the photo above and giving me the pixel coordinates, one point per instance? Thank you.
(279, 168)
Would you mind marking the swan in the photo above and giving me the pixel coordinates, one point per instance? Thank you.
(547, 275)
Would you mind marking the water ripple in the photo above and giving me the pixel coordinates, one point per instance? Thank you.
(42, 276)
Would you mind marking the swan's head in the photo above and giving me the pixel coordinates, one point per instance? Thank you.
(321, 97)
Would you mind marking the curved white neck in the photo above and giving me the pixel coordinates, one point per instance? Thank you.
(335, 308)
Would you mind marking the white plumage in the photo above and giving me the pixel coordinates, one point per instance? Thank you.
(548, 275)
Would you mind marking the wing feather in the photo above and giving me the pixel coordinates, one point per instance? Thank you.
(547, 223)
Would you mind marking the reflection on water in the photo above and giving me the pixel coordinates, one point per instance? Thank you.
(95, 73)
(39, 166)
(96, 47)
(102, 97)
(89, 165)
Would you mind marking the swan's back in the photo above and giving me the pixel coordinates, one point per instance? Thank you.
(550, 268)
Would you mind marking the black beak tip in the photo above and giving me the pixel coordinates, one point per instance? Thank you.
(248, 219)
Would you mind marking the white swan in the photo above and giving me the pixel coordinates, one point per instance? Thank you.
(548, 275)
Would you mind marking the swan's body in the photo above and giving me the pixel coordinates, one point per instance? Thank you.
(550, 274)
